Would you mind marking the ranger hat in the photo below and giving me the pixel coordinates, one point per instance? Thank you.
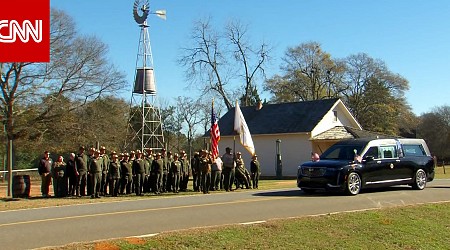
(238, 153)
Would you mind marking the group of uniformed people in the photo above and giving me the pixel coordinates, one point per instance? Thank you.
(96, 173)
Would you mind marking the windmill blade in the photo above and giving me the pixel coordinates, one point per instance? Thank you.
(161, 14)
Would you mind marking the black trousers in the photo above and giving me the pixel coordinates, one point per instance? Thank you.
(206, 181)
(82, 183)
(96, 181)
(228, 178)
(138, 183)
(114, 184)
(127, 181)
(196, 181)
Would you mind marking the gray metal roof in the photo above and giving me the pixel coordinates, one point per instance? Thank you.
(293, 117)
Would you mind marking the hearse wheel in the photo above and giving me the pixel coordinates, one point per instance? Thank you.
(353, 184)
(420, 180)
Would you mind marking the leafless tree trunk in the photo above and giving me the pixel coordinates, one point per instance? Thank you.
(251, 59)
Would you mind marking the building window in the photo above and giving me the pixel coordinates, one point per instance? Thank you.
(335, 116)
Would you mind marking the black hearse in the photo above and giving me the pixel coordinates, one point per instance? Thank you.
(355, 164)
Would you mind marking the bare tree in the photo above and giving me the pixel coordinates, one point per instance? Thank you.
(209, 64)
(191, 113)
(252, 60)
(205, 61)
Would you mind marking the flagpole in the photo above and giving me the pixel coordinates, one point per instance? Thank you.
(210, 135)
(234, 145)
(234, 132)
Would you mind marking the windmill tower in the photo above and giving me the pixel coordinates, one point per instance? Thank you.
(144, 125)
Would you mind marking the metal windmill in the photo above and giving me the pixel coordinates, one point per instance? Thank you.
(144, 125)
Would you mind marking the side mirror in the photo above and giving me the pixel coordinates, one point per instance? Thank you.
(369, 158)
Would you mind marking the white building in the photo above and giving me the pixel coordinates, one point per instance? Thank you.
(302, 128)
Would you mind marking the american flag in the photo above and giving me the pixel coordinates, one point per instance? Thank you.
(215, 134)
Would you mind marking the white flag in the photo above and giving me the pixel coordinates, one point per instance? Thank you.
(240, 126)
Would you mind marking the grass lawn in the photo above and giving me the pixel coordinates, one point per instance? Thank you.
(411, 227)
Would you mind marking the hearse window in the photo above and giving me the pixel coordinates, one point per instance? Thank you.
(341, 152)
(413, 150)
(389, 152)
(374, 152)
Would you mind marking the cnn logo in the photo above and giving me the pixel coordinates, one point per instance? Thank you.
(22, 31)
(25, 31)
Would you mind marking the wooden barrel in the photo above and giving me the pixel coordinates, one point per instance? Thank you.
(21, 186)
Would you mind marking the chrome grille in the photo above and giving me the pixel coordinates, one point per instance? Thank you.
(313, 172)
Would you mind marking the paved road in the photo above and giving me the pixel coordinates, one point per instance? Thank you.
(56, 226)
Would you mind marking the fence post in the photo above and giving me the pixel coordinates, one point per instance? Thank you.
(10, 168)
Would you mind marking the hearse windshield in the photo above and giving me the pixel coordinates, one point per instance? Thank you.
(341, 152)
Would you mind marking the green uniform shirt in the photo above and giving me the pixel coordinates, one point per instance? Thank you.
(157, 166)
(175, 166)
(138, 166)
(96, 165)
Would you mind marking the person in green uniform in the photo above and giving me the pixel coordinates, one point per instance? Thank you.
(81, 162)
(104, 156)
(169, 175)
(175, 168)
(157, 171)
(255, 169)
(241, 176)
(126, 174)
(195, 172)
(148, 157)
(95, 172)
(205, 169)
(185, 171)
(138, 173)
(114, 175)
(165, 172)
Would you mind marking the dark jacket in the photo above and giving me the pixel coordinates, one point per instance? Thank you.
(96, 165)
(125, 168)
(81, 161)
(114, 169)
(255, 167)
(157, 166)
(138, 166)
(45, 166)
